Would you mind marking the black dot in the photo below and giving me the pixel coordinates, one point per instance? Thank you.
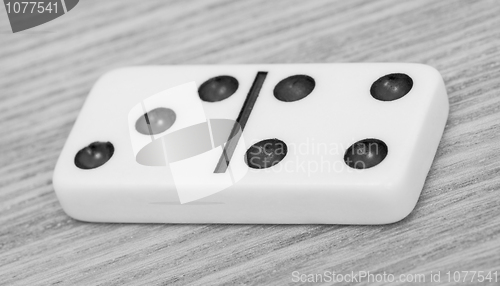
(94, 155)
(266, 153)
(155, 121)
(218, 88)
(365, 154)
(391, 87)
(294, 88)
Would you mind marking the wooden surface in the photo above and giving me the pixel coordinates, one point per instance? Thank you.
(46, 73)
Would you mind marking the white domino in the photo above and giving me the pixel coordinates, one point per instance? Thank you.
(290, 144)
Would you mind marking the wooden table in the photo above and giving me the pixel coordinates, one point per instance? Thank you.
(46, 74)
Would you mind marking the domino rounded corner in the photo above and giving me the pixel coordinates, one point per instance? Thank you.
(62, 188)
(74, 215)
(402, 213)
(71, 211)
(59, 187)
(430, 70)
(402, 200)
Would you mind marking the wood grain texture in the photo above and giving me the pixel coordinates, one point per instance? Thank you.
(47, 71)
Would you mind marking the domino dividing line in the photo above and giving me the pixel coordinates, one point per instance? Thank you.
(240, 123)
